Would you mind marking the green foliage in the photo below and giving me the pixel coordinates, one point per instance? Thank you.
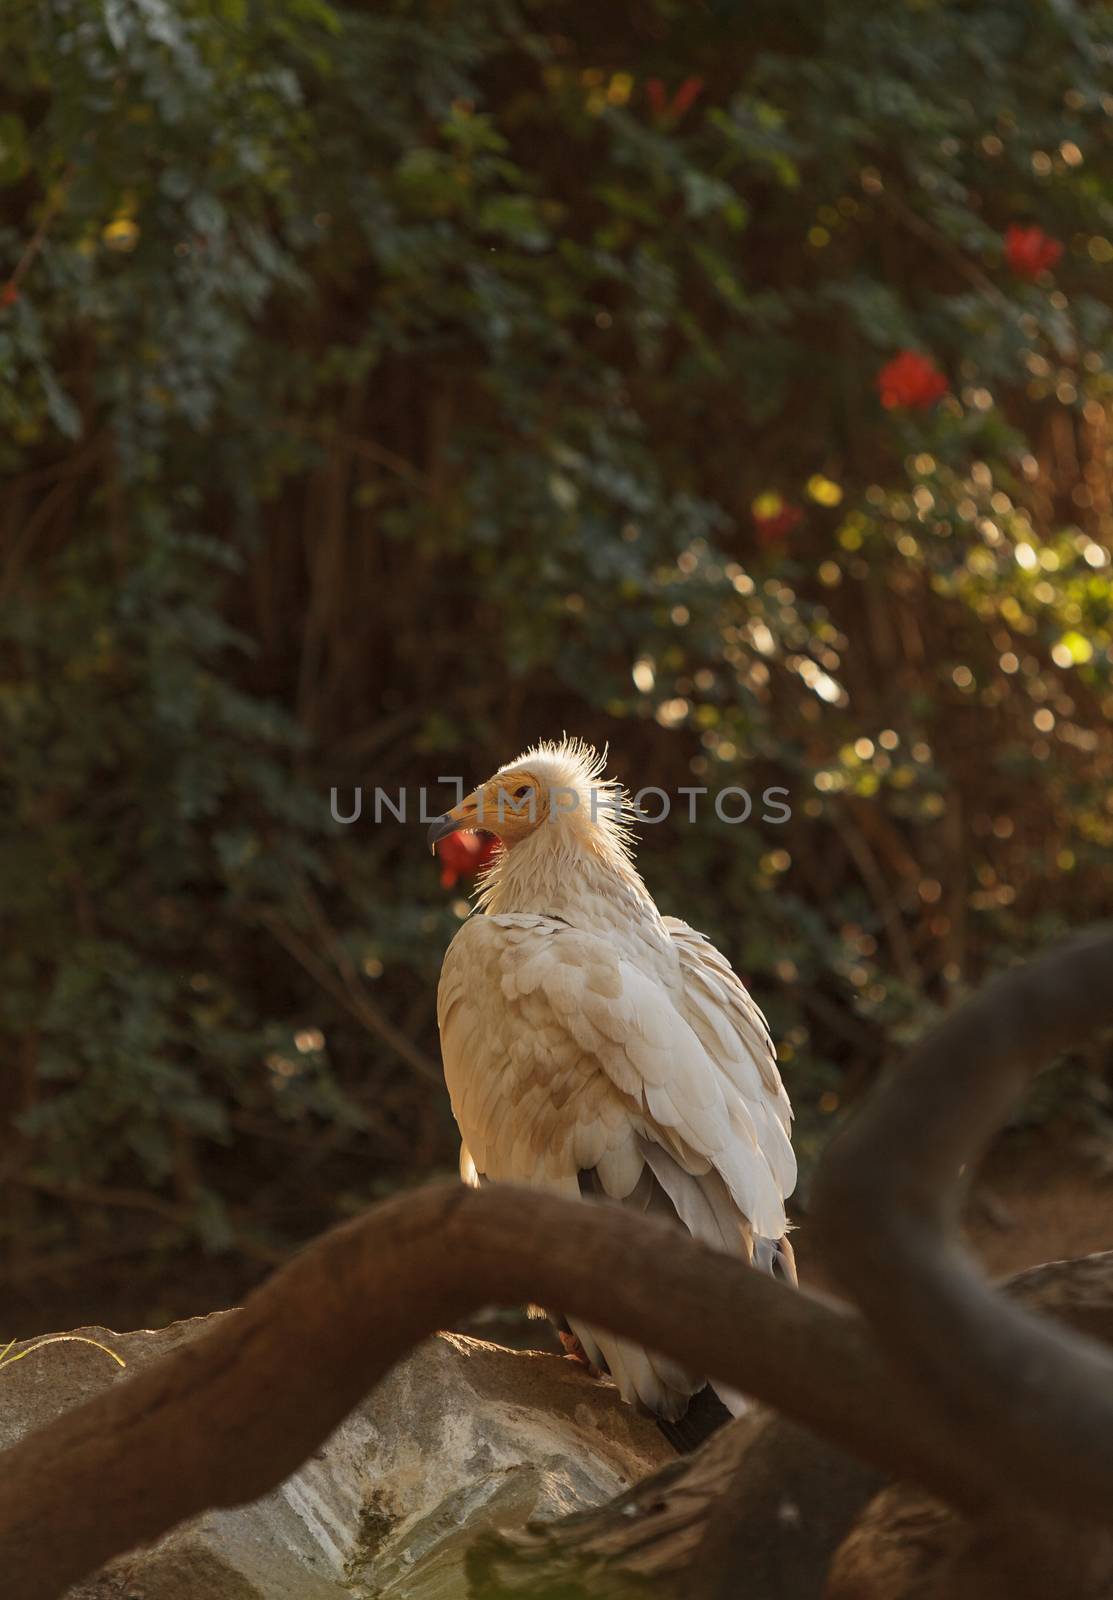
(381, 389)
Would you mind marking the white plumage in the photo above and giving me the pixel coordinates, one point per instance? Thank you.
(592, 1046)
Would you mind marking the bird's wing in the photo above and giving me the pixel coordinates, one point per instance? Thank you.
(735, 1035)
(563, 1055)
(532, 1101)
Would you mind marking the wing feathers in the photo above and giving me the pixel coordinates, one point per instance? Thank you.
(702, 1203)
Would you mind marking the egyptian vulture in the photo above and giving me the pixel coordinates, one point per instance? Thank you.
(593, 1047)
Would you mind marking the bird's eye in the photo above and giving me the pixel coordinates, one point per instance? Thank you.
(520, 794)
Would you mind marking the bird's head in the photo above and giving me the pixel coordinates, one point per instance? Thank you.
(552, 787)
(510, 805)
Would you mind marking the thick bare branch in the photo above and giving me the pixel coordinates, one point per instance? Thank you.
(1028, 1405)
(759, 1510)
(235, 1411)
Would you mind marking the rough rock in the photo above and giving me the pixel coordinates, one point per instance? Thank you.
(462, 1436)
(764, 1498)
(908, 1546)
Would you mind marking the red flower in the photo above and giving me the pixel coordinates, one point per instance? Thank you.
(911, 380)
(686, 96)
(774, 518)
(657, 96)
(683, 100)
(9, 294)
(1030, 251)
(463, 854)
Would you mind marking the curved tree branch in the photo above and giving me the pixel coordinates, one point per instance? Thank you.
(758, 1511)
(1027, 1404)
(230, 1415)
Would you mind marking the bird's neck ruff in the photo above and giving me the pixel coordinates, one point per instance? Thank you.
(577, 863)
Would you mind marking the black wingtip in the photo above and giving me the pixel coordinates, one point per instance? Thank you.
(705, 1415)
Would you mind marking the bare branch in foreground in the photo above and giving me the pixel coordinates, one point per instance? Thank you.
(1029, 1406)
(234, 1412)
(759, 1511)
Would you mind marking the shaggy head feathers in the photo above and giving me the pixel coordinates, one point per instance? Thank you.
(581, 799)
(584, 824)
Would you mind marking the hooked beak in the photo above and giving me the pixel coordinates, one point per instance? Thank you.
(441, 827)
(467, 815)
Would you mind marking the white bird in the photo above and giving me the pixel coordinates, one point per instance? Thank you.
(594, 1047)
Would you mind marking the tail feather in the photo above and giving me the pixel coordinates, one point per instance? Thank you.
(705, 1415)
(777, 1257)
(702, 1202)
(702, 1205)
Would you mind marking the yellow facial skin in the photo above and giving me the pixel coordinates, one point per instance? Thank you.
(510, 806)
